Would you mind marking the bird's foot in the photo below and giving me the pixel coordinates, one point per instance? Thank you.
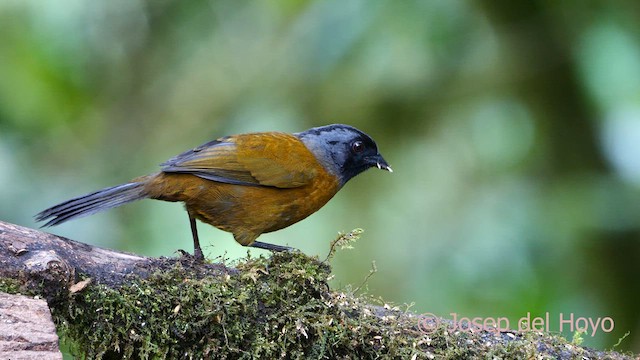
(272, 247)
(197, 255)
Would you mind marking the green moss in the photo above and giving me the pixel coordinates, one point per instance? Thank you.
(10, 286)
(22, 286)
(274, 307)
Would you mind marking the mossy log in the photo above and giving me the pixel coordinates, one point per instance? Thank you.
(110, 304)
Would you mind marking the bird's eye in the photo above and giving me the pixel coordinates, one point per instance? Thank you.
(357, 147)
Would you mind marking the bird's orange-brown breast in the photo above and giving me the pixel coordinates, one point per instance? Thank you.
(268, 181)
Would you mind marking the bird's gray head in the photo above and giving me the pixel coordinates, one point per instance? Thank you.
(343, 150)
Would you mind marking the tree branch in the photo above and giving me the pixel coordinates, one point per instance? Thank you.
(113, 304)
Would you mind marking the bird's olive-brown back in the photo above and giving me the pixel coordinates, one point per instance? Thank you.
(269, 181)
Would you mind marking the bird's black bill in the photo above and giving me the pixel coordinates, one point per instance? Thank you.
(380, 163)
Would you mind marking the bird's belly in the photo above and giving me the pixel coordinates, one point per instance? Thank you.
(258, 210)
(248, 211)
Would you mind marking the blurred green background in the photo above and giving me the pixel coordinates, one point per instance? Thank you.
(513, 129)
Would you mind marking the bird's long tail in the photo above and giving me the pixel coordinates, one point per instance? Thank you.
(92, 203)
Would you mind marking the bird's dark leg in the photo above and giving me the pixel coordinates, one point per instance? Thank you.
(271, 247)
(197, 252)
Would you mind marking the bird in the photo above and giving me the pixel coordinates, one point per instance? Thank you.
(246, 184)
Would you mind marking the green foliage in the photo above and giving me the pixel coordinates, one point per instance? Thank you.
(344, 241)
(621, 339)
(578, 337)
(512, 126)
